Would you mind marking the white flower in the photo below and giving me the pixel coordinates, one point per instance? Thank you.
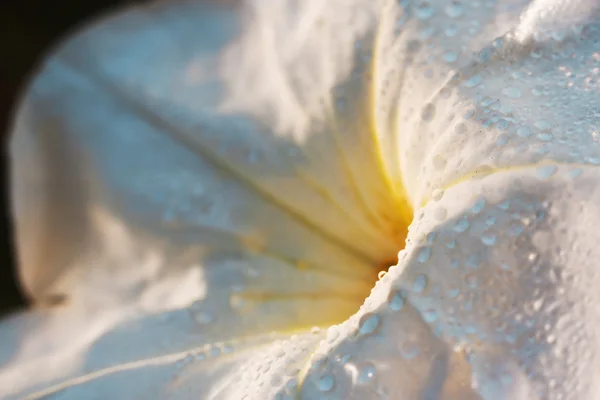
(200, 184)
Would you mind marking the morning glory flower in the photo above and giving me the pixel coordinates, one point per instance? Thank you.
(355, 199)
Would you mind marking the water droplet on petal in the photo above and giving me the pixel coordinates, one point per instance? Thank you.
(455, 9)
(368, 323)
(428, 112)
(460, 128)
(488, 238)
(575, 172)
(478, 206)
(437, 194)
(420, 283)
(593, 160)
(543, 125)
(409, 350)
(366, 373)
(546, 171)
(326, 383)
(424, 254)
(440, 213)
(532, 256)
(473, 81)
(439, 162)
(204, 318)
(524, 131)
(430, 316)
(450, 57)
(461, 226)
(425, 11)
(396, 301)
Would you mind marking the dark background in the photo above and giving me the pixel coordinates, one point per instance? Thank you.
(28, 29)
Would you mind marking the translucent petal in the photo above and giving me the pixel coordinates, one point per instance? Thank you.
(153, 92)
(159, 168)
(255, 165)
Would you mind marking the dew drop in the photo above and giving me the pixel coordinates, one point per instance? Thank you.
(502, 140)
(543, 125)
(575, 172)
(437, 194)
(420, 283)
(368, 323)
(451, 30)
(546, 171)
(396, 301)
(425, 11)
(502, 124)
(537, 304)
(214, 351)
(430, 316)
(455, 9)
(524, 131)
(439, 162)
(424, 254)
(326, 383)
(366, 373)
(409, 350)
(428, 112)
(478, 206)
(460, 128)
(469, 113)
(473, 81)
(440, 214)
(204, 318)
(461, 226)
(593, 160)
(450, 57)
(488, 238)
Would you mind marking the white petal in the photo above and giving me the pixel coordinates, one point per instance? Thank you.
(151, 179)
(505, 103)
(99, 109)
(494, 296)
(421, 46)
(113, 367)
(260, 160)
(497, 300)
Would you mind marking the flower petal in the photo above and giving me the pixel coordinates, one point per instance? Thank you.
(493, 297)
(511, 99)
(258, 366)
(151, 179)
(255, 163)
(496, 300)
(100, 105)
